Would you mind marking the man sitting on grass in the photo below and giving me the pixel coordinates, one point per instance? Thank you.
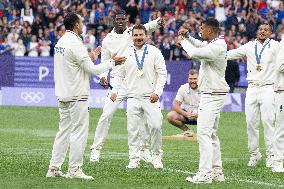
(185, 105)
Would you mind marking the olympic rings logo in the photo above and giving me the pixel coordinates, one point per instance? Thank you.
(30, 97)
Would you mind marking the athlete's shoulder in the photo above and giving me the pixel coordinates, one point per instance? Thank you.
(274, 42)
(184, 86)
(152, 48)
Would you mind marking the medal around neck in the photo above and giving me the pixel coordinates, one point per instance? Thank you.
(258, 67)
(139, 71)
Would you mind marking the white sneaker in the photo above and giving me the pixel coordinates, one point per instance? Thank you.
(145, 155)
(95, 155)
(218, 175)
(201, 177)
(157, 162)
(54, 172)
(76, 172)
(254, 159)
(133, 164)
(277, 167)
(269, 162)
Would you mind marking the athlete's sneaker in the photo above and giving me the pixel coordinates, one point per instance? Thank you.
(277, 167)
(95, 155)
(201, 177)
(157, 162)
(77, 172)
(133, 164)
(54, 172)
(218, 175)
(254, 159)
(188, 133)
(145, 155)
(269, 162)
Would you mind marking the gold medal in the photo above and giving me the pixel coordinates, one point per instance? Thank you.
(139, 73)
(258, 67)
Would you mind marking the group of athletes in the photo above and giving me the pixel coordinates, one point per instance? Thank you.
(138, 76)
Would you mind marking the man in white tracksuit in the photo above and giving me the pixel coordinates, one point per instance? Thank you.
(213, 88)
(72, 69)
(261, 57)
(145, 75)
(279, 103)
(117, 41)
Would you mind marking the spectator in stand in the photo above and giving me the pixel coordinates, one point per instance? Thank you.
(166, 49)
(145, 7)
(12, 35)
(33, 47)
(25, 37)
(13, 44)
(5, 48)
(28, 16)
(45, 48)
(100, 12)
(87, 43)
(37, 24)
(132, 10)
(20, 48)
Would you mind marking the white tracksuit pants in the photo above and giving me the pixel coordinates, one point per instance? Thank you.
(259, 104)
(136, 109)
(104, 122)
(279, 128)
(207, 124)
(73, 133)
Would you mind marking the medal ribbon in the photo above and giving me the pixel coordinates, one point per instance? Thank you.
(258, 57)
(140, 64)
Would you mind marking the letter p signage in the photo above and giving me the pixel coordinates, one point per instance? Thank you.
(43, 71)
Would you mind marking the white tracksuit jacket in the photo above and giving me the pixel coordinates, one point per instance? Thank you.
(154, 77)
(73, 68)
(119, 43)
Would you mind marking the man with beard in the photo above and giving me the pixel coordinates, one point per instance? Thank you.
(185, 105)
(145, 75)
(116, 42)
(259, 105)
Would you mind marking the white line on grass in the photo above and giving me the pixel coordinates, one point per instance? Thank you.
(228, 178)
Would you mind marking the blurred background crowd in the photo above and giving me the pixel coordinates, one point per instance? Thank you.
(32, 27)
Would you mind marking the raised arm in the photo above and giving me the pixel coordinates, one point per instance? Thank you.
(195, 42)
(85, 62)
(207, 52)
(238, 53)
(154, 25)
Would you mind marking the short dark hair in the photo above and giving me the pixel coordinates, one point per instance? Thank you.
(139, 27)
(268, 24)
(119, 13)
(213, 23)
(192, 72)
(70, 20)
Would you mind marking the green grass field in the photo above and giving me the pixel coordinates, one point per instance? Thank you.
(27, 134)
